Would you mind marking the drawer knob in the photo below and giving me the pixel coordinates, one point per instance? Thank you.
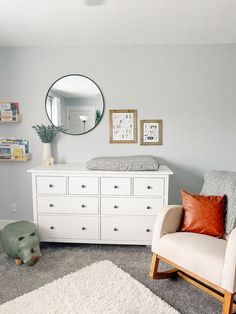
(51, 205)
(116, 187)
(116, 206)
(83, 186)
(83, 206)
(149, 187)
(51, 185)
(148, 230)
(52, 227)
(83, 228)
(116, 229)
(149, 207)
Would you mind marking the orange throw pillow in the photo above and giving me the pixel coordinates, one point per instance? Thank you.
(203, 214)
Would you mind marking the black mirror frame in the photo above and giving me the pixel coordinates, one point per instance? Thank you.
(103, 99)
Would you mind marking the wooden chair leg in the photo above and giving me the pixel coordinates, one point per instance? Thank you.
(154, 274)
(228, 303)
(154, 266)
(18, 262)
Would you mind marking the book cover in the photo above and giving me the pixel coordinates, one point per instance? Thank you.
(6, 113)
(5, 151)
(15, 108)
(9, 109)
(13, 147)
(5, 106)
(17, 152)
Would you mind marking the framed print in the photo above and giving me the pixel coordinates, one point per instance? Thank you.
(123, 126)
(151, 132)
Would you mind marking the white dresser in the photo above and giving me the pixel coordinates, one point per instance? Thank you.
(73, 204)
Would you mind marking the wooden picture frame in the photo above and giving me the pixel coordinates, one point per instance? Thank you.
(123, 126)
(151, 132)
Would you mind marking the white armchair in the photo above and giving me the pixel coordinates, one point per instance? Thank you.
(204, 261)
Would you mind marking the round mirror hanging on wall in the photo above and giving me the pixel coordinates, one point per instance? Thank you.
(75, 103)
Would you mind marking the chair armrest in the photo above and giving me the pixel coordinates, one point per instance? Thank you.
(168, 221)
(228, 281)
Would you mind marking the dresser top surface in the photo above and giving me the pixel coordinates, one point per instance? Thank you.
(81, 168)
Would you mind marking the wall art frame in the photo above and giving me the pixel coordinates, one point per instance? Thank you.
(123, 126)
(151, 132)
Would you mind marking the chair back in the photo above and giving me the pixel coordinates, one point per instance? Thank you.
(223, 183)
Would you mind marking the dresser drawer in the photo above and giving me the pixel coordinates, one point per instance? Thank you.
(127, 228)
(130, 206)
(51, 185)
(115, 186)
(63, 204)
(68, 227)
(149, 186)
(83, 185)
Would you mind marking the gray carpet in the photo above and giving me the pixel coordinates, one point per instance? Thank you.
(60, 259)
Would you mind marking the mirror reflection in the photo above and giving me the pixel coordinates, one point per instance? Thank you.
(75, 103)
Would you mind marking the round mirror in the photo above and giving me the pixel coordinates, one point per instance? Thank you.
(75, 103)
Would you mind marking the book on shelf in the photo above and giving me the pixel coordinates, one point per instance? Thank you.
(8, 110)
(17, 152)
(5, 152)
(13, 148)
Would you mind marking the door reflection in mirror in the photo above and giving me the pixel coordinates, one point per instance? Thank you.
(76, 103)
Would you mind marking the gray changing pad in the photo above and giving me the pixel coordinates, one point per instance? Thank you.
(123, 163)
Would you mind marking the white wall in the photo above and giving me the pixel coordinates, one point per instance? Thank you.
(192, 88)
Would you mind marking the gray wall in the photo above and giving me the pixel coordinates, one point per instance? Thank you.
(192, 88)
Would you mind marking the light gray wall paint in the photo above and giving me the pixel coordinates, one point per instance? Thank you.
(95, 101)
(88, 107)
(192, 88)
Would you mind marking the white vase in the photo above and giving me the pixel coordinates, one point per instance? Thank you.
(47, 159)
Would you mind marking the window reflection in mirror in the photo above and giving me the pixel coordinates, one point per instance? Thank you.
(76, 103)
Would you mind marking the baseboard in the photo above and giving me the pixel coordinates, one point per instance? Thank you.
(3, 223)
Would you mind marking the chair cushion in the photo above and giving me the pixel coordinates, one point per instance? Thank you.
(223, 183)
(203, 214)
(201, 254)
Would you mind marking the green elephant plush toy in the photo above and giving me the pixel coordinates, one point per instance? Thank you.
(20, 240)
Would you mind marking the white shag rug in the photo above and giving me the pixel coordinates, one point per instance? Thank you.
(101, 288)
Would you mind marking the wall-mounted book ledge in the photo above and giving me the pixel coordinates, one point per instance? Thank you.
(4, 119)
(14, 149)
(9, 112)
(24, 157)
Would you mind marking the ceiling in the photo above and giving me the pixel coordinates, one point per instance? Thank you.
(116, 22)
(76, 86)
